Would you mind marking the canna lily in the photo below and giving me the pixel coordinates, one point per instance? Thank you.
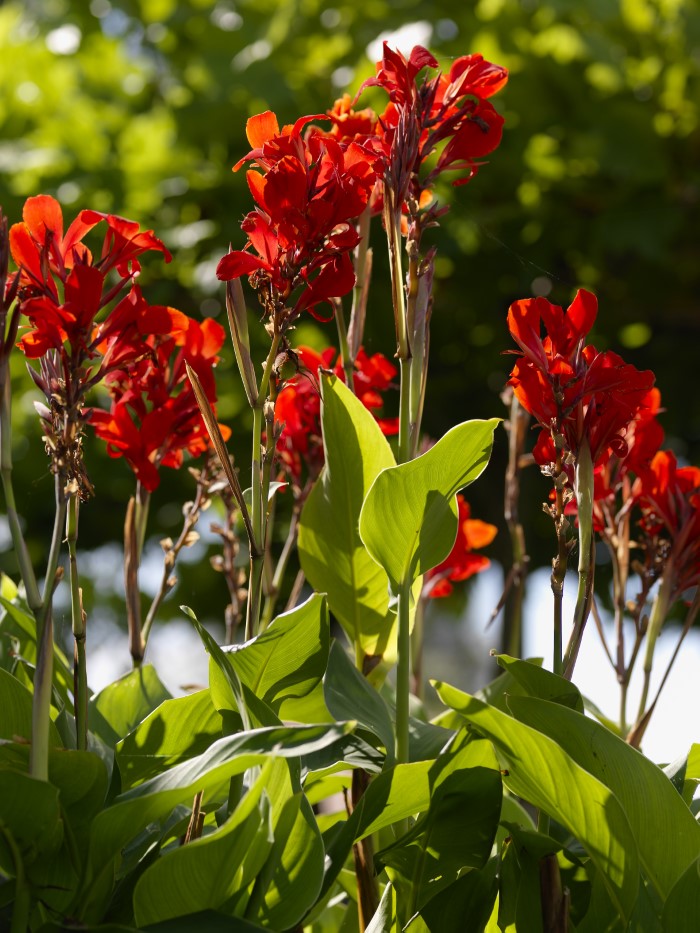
(575, 392)
(461, 563)
(301, 234)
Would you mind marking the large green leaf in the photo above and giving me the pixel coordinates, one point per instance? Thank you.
(682, 908)
(228, 692)
(465, 905)
(542, 773)
(296, 881)
(30, 816)
(120, 707)
(349, 696)
(205, 873)
(538, 682)
(458, 830)
(289, 658)
(177, 730)
(209, 772)
(18, 625)
(409, 519)
(332, 554)
(16, 706)
(667, 836)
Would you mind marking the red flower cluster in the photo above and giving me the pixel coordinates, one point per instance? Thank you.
(450, 110)
(301, 233)
(316, 183)
(137, 349)
(574, 391)
(298, 406)
(154, 415)
(669, 499)
(461, 563)
(62, 287)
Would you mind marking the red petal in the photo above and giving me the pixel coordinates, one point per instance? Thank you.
(260, 128)
(43, 213)
(238, 263)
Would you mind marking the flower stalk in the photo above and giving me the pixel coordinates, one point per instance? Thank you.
(78, 619)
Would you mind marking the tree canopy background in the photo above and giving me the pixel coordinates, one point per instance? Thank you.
(139, 108)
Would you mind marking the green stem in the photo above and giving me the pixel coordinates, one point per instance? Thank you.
(417, 648)
(392, 222)
(80, 689)
(584, 503)
(43, 675)
(280, 570)
(257, 545)
(659, 611)
(404, 452)
(346, 357)
(559, 565)
(403, 672)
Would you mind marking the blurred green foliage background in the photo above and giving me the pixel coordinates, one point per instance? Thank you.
(139, 107)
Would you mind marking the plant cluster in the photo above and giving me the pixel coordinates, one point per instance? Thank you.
(306, 788)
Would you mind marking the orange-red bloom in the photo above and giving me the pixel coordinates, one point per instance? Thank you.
(301, 234)
(461, 563)
(669, 498)
(154, 416)
(574, 391)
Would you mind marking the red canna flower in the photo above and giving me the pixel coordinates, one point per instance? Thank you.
(669, 499)
(574, 391)
(301, 234)
(448, 110)
(154, 417)
(43, 253)
(461, 563)
(298, 406)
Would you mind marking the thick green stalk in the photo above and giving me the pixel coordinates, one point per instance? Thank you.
(43, 675)
(280, 570)
(584, 504)
(346, 358)
(659, 611)
(258, 506)
(403, 672)
(80, 685)
(404, 452)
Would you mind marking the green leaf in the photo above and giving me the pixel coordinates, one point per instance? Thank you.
(177, 730)
(465, 905)
(298, 873)
(289, 658)
(542, 773)
(30, 815)
(18, 624)
(209, 920)
(331, 552)
(123, 704)
(205, 873)
(409, 519)
(667, 836)
(541, 683)
(274, 488)
(682, 908)
(16, 706)
(210, 772)
(349, 696)
(383, 918)
(227, 690)
(458, 830)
